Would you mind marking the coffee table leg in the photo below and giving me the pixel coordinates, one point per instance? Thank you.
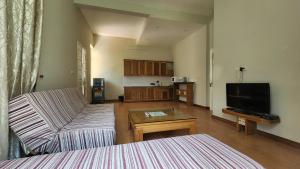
(129, 125)
(138, 135)
(193, 129)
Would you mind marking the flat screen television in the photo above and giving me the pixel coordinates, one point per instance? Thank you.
(250, 98)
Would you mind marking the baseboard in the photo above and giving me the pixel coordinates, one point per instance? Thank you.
(112, 101)
(197, 105)
(279, 139)
(224, 120)
(204, 107)
(148, 101)
(180, 101)
(271, 136)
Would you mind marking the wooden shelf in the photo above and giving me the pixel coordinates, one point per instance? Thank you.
(188, 92)
(251, 121)
(181, 92)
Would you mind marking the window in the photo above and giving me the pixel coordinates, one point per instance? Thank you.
(81, 67)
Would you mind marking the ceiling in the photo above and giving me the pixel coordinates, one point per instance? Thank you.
(165, 32)
(103, 22)
(203, 7)
(147, 29)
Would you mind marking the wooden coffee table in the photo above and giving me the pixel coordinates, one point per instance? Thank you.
(173, 120)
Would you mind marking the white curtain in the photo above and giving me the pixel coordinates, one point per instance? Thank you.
(82, 69)
(20, 41)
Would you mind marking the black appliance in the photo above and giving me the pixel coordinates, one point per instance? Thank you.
(249, 98)
(98, 91)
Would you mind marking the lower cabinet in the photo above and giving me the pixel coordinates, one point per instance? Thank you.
(150, 93)
(157, 93)
(135, 94)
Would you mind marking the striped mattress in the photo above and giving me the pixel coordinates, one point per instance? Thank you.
(60, 120)
(196, 151)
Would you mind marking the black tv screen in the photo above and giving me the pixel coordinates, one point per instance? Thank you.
(250, 98)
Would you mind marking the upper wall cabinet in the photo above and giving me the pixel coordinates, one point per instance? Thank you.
(166, 69)
(147, 68)
(127, 67)
(156, 69)
(141, 70)
(169, 69)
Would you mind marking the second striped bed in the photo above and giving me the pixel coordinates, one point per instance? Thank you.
(197, 151)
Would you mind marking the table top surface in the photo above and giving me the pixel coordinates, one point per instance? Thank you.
(140, 116)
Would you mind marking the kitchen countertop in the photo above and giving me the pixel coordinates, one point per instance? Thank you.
(184, 82)
(149, 86)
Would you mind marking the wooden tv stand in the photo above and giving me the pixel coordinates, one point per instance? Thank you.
(251, 121)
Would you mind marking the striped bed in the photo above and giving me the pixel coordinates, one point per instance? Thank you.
(60, 120)
(196, 151)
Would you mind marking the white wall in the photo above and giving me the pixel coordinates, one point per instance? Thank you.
(264, 37)
(190, 61)
(63, 25)
(108, 57)
(146, 80)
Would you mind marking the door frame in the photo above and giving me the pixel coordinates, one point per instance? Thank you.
(211, 79)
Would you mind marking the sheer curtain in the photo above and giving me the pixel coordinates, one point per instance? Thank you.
(81, 68)
(20, 41)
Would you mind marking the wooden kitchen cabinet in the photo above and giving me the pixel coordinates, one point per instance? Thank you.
(142, 94)
(127, 67)
(135, 94)
(155, 93)
(150, 93)
(128, 93)
(147, 68)
(156, 68)
(162, 93)
(131, 67)
(163, 68)
(166, 94)
(169, 69)
(134, 68)
(166, 69)
(142, 68)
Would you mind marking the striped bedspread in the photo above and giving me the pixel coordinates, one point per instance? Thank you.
(60, 120)
(89, 129)
(197, 151)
